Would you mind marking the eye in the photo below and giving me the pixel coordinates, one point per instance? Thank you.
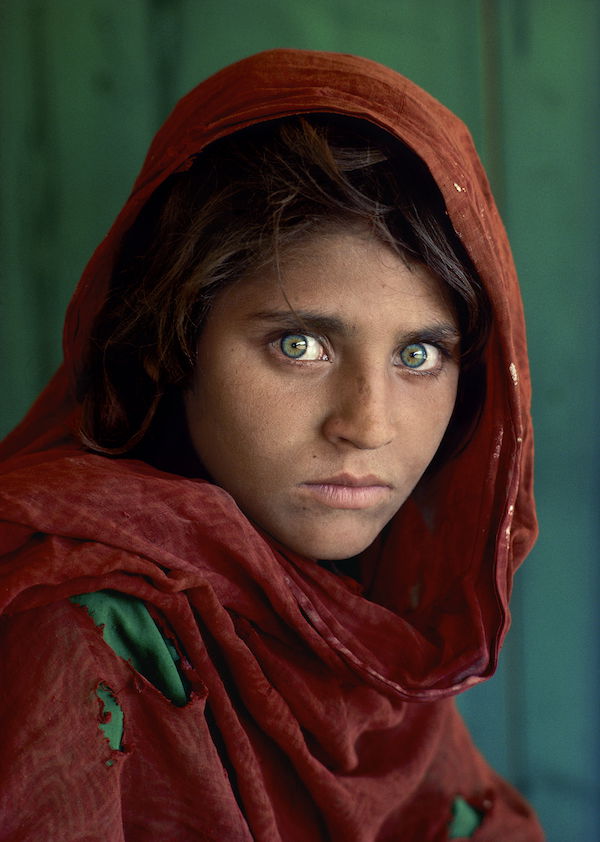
(300, 346)
(421, 356)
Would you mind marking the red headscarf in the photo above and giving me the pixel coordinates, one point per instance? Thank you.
(331, 711)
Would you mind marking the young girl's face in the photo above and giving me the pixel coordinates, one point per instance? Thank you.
(321, 396)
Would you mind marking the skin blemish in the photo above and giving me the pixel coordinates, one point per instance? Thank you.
(362, 386)
(513, 373)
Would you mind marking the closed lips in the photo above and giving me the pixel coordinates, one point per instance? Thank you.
(346, 492)
(351, 481)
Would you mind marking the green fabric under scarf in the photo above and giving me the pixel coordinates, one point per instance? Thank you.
(131, 633)
(465, 820)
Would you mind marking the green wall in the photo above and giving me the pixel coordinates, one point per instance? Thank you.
(85, 84)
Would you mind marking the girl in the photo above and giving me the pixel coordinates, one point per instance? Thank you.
(261, 526)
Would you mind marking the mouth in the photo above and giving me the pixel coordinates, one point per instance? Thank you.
(346, 491)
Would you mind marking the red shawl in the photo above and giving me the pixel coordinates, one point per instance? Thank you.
(315, 713)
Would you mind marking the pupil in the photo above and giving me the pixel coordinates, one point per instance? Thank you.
(414, 355)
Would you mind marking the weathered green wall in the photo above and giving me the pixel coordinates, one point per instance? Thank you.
(85, 83)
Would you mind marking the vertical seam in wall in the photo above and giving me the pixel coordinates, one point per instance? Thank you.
(491, 46)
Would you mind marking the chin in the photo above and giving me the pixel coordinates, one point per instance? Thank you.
(330, 547)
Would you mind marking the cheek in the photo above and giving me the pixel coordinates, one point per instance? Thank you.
(236, 424)
(445, 403)
(436, 413)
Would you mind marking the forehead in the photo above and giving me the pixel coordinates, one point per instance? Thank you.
(351, 275)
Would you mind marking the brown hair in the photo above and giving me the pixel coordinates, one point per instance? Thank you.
(245, 200)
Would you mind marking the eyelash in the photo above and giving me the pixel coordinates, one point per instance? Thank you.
(276, 341)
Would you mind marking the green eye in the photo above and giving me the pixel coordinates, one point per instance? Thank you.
(302, 346)
(414, 355)
(294, 345)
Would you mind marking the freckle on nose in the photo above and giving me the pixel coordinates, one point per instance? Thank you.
(363, 386)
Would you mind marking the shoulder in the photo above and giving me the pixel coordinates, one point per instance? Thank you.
(63, 775)
(52, 747)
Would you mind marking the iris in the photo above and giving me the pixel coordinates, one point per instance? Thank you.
(294, 345)
(414, 355)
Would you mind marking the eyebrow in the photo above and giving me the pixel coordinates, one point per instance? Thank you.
(319, 323)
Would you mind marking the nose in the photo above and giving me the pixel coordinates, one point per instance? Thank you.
(360, 412)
